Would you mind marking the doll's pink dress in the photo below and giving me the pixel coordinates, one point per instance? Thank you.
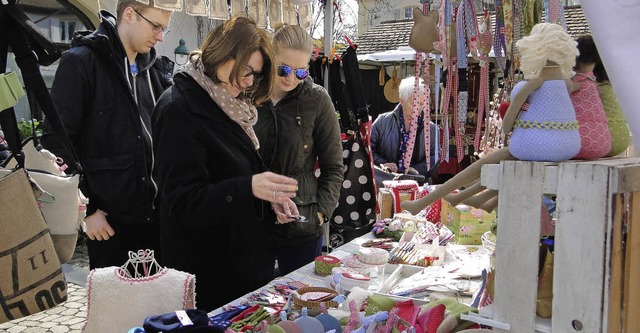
(546, 129)
(594, 131)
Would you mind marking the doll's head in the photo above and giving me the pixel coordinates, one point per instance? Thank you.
(548, 42)
(587, 49)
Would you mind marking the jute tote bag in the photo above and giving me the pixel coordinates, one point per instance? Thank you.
(63, 204)
(31, 278)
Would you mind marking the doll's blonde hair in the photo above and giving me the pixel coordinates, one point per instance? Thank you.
(547, 42)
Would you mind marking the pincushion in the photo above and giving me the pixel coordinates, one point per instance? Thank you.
(349, 280)
(324, 265)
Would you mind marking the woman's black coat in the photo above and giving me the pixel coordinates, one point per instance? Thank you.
(211, 224)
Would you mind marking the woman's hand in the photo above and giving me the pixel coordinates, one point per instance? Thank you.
(274, 188)
(285, 210)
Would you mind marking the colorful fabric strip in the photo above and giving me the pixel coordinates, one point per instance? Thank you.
(547, 125)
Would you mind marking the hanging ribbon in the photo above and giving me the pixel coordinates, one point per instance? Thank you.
(554, 12)
(456, 120)
(483, 99)
(449, 63)
(531, 15)
(563, 21)
(427, 111)
(441, 27)
(499, 42)
(415, 114)
(551, 11)
(437, 62)
(420, 68)
(467, 41)
(507, 10)
(462, 96)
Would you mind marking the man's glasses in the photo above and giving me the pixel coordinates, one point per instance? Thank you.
(257, 76)
(301, 73)
(156, 28)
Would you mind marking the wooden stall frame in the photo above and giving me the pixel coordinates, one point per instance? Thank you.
(594, 274)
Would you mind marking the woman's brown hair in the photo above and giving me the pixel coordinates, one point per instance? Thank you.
(237, 39)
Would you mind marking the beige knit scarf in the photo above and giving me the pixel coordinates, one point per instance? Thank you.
(237, 109)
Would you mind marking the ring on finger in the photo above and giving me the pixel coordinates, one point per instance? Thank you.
(274, 194)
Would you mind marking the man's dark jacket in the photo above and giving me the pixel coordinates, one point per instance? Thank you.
(109, 125)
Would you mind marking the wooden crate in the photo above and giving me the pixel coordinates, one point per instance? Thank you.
(595, 286)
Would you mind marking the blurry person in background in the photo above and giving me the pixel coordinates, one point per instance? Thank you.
(390, 135)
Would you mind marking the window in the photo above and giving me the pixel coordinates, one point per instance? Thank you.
(408, 12)
(66, 30)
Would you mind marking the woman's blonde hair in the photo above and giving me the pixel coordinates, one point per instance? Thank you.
(547, 42)
(288, 36)
(237, 39)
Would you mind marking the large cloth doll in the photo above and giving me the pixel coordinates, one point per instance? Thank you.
(618, 127)
(594, 131)
(540, 113)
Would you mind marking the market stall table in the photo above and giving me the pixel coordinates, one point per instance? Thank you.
(469, 261)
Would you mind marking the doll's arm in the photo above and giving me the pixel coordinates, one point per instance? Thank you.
(517, 102)
(572, 86)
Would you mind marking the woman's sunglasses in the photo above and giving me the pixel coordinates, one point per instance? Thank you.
(301, 73)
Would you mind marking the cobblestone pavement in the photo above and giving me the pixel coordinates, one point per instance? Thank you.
(68, 317)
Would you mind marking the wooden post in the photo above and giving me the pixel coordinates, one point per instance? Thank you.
(632, 269)
(517, 244)
(583, 204)
(616, 281)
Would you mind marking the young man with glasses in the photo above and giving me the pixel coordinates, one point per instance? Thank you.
(297, 128)
(105, 89)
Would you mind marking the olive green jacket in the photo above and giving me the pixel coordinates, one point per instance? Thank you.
(295, 133)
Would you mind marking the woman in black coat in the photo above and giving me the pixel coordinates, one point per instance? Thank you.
(215, 198)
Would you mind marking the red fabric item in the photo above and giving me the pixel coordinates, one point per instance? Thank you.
(408, 312)
(436, 316)
(421, 321)
(245, 313)
(502, 109)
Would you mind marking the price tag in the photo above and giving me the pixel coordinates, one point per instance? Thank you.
(184, 318)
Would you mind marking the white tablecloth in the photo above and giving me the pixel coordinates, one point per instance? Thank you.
(471, 261)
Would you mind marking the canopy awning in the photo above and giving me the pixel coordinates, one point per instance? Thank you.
(403, 53)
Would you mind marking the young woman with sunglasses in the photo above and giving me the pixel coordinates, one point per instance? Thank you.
(297, 127)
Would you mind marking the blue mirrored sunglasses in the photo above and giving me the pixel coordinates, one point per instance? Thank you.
(301, 73)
